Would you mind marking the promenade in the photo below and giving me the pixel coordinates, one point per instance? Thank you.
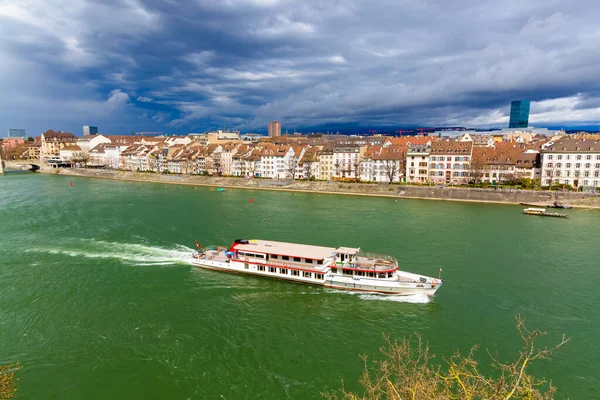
(434, 192)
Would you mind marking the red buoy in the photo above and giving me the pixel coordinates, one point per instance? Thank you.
(251, 201)
(71, 184)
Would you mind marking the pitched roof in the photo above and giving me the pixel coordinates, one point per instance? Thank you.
(454, 147)
(575, 145)
(50, 134)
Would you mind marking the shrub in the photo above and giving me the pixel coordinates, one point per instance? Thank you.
(408, 371)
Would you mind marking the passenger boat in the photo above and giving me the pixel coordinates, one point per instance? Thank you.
(337, 268)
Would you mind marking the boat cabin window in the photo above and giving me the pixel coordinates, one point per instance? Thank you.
(295, 273)
(272, 269)
(285, 258)
(308, 261)
(347, 272)
(297, 259)
(319, 276)
(307, 274)
(320, 262)
(371, 275)
(334, 270)
(261, 267)
(274, 256)
(390, 274)
(283, 271)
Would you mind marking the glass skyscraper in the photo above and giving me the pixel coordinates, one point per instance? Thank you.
(519, 114)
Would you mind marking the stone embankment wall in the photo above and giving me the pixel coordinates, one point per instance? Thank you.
(396, 191)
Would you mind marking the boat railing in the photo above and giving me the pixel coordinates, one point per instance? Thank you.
(377, 256)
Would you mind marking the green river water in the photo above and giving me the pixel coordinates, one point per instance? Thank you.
(98, 301)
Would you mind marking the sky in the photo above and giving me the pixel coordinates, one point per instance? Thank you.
(348, 65)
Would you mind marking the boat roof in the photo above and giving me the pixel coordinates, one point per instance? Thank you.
(347, 250)
(535, 209)
(286, 249)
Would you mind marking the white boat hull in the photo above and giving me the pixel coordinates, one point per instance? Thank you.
(390, 286)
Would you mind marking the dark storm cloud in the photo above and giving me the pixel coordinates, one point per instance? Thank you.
(141, 64)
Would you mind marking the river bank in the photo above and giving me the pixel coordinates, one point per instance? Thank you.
(502, 196)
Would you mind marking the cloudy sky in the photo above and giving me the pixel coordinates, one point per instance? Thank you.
(194, 65)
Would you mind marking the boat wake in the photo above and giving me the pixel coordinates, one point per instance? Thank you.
(418, 298)
(128, 253)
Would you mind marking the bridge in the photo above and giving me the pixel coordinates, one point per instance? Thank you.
(17, 165)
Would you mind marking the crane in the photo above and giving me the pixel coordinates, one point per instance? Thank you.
(373, 131)
(400, 131)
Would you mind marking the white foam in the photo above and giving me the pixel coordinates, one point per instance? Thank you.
(417, 298)
(133, 254)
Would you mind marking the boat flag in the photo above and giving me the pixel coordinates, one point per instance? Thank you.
(197, 244)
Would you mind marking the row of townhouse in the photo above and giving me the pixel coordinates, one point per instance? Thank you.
(569, 161)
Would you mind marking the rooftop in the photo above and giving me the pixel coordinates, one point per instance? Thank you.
(286, 249)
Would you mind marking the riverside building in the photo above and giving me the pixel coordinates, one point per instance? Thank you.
(574, 162)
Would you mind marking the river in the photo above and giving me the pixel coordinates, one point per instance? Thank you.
(97, 299)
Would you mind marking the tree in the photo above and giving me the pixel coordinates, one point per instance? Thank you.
(290, 167)
(408, 371)
(307, 165)
(356, 168)
(80, 159)
(8, 381)
(391, 168)
(476, 170)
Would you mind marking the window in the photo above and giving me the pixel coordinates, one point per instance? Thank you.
(308, 261)
(549, 165)
(274, 256)
(586, 174)
(558, 165)
(550, 156)
(285, 258)
(295, 273)
(588, 157)
(597, 166)
(559, 157)
(587, 165)
(297, 259)
(261, 267)
(319, 276)
(283, 271)
(347, 272)
(272, 269)
(320, 262)
(578, 165)
(568, 165)
(307, 274)
(579, 156)
(334, 270)
(596, 174)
